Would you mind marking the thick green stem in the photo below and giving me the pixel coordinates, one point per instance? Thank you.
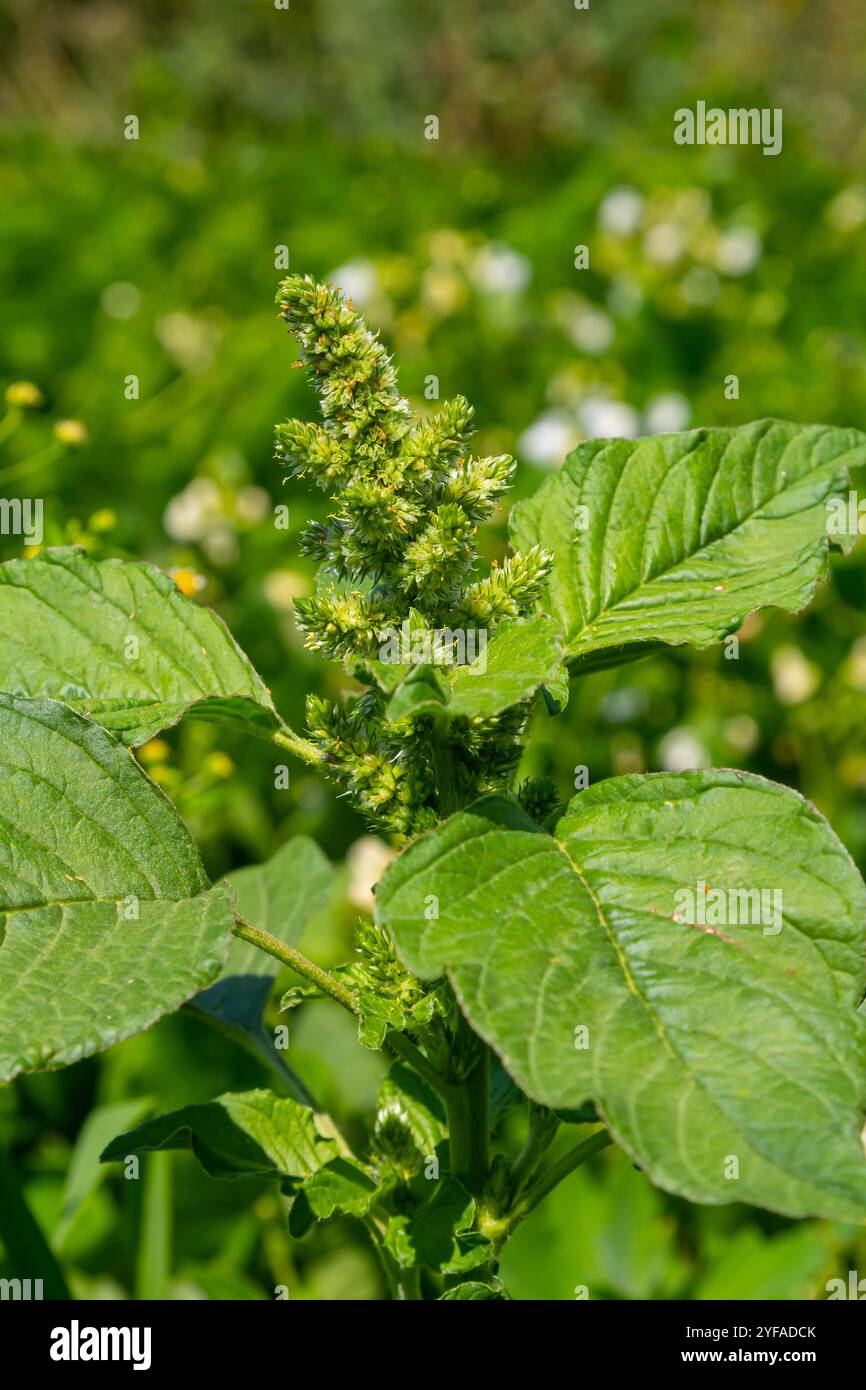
(467, 1106)
(444, 770)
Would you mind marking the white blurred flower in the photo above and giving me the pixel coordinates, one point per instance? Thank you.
(497, 269)
(621, 211)
(252, 505)
(619, 706)
(681, 750)
(547, 440)
(664, 243)
(367, 860)
(591, 331)
(357, 279)
(738, 251)
(220, 544)
(604, 419)
(190, 514)
(667, 413)
(794, 678)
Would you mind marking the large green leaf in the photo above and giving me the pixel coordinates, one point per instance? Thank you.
(704, 1043)
(520, 657)
(676, 538)
(66, 624)
(243, 1135)
(105, 918)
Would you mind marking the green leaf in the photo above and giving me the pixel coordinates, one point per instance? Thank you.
(438, 1233)
(472, 1292)
(683, 535)
(704, 1043)
(520, 657)
(67, 625)
(254, 1134)
(235, 1005)
(340, 1186)
(106, 923)
(27, 1253)
(280, 896)
(421, 692)
(404, 1097)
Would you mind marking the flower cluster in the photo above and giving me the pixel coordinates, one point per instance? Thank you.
(407, 500)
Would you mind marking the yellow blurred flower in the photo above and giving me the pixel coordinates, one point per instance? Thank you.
(24, 395)
(188, 581)
(220, 764)
(156, 750)
(71, 432)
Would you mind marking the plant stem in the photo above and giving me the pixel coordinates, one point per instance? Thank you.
(543, 1125)
(288, 955)
(296, 960)
(444, 770)
(467, 1107)
(153, 1256)
(405, 1048)
(301, 747)
(555, 1174)
(10, 422)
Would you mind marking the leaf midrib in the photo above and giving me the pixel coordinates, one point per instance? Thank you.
(576, 635)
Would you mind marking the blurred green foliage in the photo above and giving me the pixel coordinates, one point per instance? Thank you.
(156, 258)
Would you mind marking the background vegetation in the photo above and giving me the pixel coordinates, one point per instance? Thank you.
(155, 257)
